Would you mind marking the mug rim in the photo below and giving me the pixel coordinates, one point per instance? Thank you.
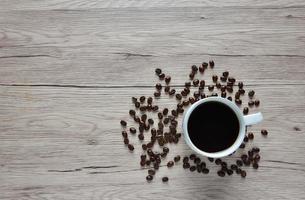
(239, 139)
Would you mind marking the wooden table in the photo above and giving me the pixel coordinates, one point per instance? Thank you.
(68, 70)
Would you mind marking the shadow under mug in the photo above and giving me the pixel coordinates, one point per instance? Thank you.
(243, 122)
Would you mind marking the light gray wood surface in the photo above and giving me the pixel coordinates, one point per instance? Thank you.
(69, 68)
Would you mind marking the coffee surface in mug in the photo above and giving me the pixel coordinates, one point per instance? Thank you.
(213, 127)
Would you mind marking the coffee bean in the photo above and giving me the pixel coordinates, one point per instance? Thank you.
(224, 164)
(240, 85)
(250, 136)
(165, 179)
(147, 162)
(126, 141)
(133, 130)
(151, 172)
(237, 95)
(243, 173)
(230, 89)
(194, 68)
(256, 102)
(172, 92)
(211, 159)
(233, 167)
(178, 96)
(218, 85)
(195, 82)
(158, 86)
(255, 165)
(192, 156)
(229, 98)
(183, 93)
(134, 100)
(141, 136)
(137, 104)
(251, 93)
(124, 134)
(205, 170)
(255, 149)
(192, 100)
(165, 149)
(174, 113)
(186, 165)
(142, 99)
(160, 115)
(170, 164)
(177, 158)
(144, 117)
(251, 103)
(242, 146)
(246, 110)
(196, 94)
(144, 147)
(197, 160)
(137, 119)
(152, 159)
(221, 173)
(225, 73)
(157, 94)
(211, 87)
(241, 91)
(264, 132)
(247, 162)
(161, 76)
(185, 159)
(167, 79)
(130, 147)
(142, 163)
(160, 125)
(149, 145)
(239, 163)
(123, 123)
(238, 101)
(192, 168)
(166, 89)
(187, 84)
(158, 71)
(231, 79)
(199, 169)
(223, 88)
(204, 65)
(218, 161)
(229, 172)
(223, 78)
(180, 105)
(149, 178)
(201, 69)
(211, 63)
(214, 78)
(192, 75)
(257, 157)
(223, 94)
(156, 166)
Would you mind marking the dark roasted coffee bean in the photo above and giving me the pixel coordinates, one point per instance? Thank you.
(243, 173)
(194, 68)
(147, 162)
(186, 165)
(246, 110)
(170, 164)
(192, 168)
(202, 83)
(142, 99)
(229, 89)
(165, 111)
(223, 78)
(164, 179)
(244, 157)
(255, 165)
(239, 163)
(130, 147)
(124, 134)
(160, 125)
(186, 103)
(205, 170)
(150, 152)
(264, 132)
(172, 92)
(192, 75)
(158, 86)
(196, 94)
(144, 117)
(218, 85)
(141, 136)
(158, 71)
(211, 87)
(183, 93)
(221, 173)
(233, 167)
(246, 139)
(185, 159)
(149, 178)
(218, 161)
(144, 147)
(237, 95)
(211, 63)
(151, 172)
(152, 159)
(137, 119)
(123, 123)
(142, 163)
(223, 94)
(251, 93)
(193, 156)
(251, 103)
(197, 160)
(229, 172)
(238, 171)
(203, 165)
(242, 146)
(255, 149)
(250, 153)
(178, 96)
(167, 79)
(204, 65)
(126, 141)
(195, 82)
(199, 169)
(180, 105)
(187, 84)
(177, 158)
(161, 76)
(250, 136)
(225, 73)
(231, 79)
(137, 104)
(153, 132)
(238, 101)
(157, 94)
(160, 115)
(257, 158)
(229, 98)
(256, 102)
(166, 89)
(240, 85)
(174, 113)
(223, 88)
(149, 145)
(143, 108)
(156, 166)
(201, 69)
(163, 155)
(214, 78)
(247, 162)
(166, 120)
(133, 130)
(211, 159)
(150, 121)
(132, 112)
(165, 149)
(224, 164)
(133, 100)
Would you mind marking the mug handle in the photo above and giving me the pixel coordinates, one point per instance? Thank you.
(253, 118)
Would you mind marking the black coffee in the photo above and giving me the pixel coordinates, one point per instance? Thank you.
(213, 127)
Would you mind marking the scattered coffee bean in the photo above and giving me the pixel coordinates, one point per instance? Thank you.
(172, 92)
(192, 168)
(256, 102)
(196, 94)
(141, 136)
(156, 166)
(229, 89)
(193, 156)
(229, 172)
(243, 173)
(205, 170)
(246, 110)
(167, 79)
(192, 75)
(225, 73)
(133, 130)
(251, 93)
(187, 84)
(161, 76)
(134, 100)
(250, 136)
(237, 95)
(231, 79)
(223, 88)
(242, 146)
(223, 78)
(241, 91)
(204, 65)
(144, 147)
(221, 173)
(165, 179)
(149, 178)
(123, 123)
(177, 158)
(211, 159)
(185, 159)
(186, 165)
(214, 78)
(159, 86)
(165, 149)
(229, 98)
(137, 104)
(170, 164)
(199, 169)
(194, 68)
(238, 101)
(239, 163)
(255, 149)
(257, 158)
(150, 121)
(178, 96)
(195, 82)
(158, 71)
(255, 165)
(201, 69)
(218, 85)
(211, 63)
(166, 89)
(223, 94)
(174, 113)
(240, 85)
(197, 160)
(142, 99)
(233, 167)
(264, 132)
(124, 134)
(130, 147)
(211, 87)
(126, 141)
(251, 103)
(160, 115)
(157, 94)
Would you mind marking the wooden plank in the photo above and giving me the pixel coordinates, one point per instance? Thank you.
(65, 143)
(94, 47)
(84, 4)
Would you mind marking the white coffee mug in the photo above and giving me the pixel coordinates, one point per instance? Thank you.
(243, 122)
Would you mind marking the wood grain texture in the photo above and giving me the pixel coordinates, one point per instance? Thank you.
(69, 68)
